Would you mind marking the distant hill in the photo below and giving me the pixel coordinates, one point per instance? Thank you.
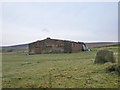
(14, 48)
(100, 44)
(24, 47)
(21, 46)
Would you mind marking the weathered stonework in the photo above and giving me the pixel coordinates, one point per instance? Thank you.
(55, 46)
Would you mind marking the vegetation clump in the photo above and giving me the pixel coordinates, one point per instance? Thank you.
(104, 56)
(113, 68)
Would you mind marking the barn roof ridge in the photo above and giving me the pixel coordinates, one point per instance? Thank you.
(48, 38)
(62, 40)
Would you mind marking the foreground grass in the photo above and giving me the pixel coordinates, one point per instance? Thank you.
(67, 70)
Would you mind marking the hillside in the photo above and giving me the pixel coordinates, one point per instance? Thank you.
(99, 44)
(14, 48)
(90, 45)
(21, 46)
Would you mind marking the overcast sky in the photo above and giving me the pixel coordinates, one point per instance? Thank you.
(79, 21)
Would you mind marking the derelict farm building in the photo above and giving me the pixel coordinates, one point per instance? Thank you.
(55, 46)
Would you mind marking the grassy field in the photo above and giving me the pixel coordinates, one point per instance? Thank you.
(67, 70)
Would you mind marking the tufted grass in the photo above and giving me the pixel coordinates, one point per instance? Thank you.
(65, 70)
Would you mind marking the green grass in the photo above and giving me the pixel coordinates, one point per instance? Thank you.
(65, 70)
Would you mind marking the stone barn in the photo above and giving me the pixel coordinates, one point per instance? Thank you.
(56, 46)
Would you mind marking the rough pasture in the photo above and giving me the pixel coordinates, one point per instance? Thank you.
(65, 70)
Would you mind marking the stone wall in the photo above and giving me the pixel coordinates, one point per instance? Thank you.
(76, 47)
(54, 46)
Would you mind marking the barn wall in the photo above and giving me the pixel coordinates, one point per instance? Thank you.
(47, 46)
(32, 48)
(67, 47)
(54, 46)
(76, 47)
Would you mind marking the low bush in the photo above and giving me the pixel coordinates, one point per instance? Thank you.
(113, 68)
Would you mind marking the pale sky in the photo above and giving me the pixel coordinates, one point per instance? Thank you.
(77, 21)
